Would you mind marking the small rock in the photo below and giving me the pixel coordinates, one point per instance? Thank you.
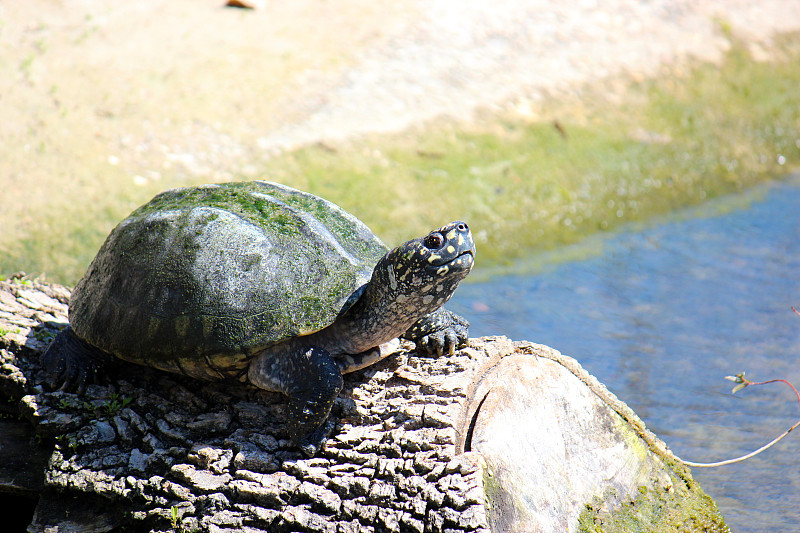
(301, 518)
(213, 502)
(200, 479)
(412, 524)
(123, 428)
(170, 432)
(137, 460)
(225, 518)
(248, 491)
(382, 492)
(104, 431)
(252, 458)
(304, 470)
(350, 487)
(249, 414)
(320, 498)
(265, 442)
(390, 519)
(211, 422)
(214, 459)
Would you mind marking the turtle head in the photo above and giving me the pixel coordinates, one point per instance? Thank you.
(423, 273)
(408, 283)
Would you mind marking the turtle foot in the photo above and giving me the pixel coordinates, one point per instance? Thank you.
(311, 444)
(438, 333)
(70, 363)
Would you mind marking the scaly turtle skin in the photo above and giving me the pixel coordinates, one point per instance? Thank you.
(263, 283)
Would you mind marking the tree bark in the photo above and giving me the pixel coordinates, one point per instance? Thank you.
(502, 436)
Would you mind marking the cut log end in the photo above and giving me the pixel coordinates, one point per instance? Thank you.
(562, 453)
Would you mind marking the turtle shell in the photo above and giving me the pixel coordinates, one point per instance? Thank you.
(199, 278)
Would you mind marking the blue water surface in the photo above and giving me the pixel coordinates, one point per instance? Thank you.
(661, 315)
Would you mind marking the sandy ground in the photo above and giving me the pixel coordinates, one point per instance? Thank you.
(461, 55)
(99, 96)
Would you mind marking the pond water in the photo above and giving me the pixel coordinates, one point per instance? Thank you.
(661, 314)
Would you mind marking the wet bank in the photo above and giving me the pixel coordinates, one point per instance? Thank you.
(531, 174)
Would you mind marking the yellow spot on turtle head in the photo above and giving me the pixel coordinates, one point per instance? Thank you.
(442, 270)
(450, 249)
(460, 240)
(433, 258)
(450, 234)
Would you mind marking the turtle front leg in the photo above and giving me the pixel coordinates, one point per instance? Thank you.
(312, 381)
(439, 332)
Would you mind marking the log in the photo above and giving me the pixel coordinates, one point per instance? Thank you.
(502, 436)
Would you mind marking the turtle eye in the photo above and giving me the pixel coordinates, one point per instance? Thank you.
(434, 241)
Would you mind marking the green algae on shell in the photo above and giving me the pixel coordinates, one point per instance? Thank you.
(220, 271)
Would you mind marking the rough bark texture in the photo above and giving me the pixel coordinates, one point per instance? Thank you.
(462, 443)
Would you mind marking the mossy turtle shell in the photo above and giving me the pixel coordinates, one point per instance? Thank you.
(214, 273)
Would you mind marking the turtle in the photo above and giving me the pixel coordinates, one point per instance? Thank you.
(259, 282)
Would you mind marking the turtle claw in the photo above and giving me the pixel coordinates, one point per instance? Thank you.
(70, 364)
(438, 333)
(440, 343)
(452, 342)
(76, 377)
(312, 443)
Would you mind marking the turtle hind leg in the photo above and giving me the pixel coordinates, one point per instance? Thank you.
(70, 363)
(314, 386)
(311, 379)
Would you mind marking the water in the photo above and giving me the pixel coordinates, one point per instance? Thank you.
(661, 315)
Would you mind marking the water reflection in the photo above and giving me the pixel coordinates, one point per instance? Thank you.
(660, 315)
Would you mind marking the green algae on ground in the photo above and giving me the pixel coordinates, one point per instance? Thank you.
(586, 163)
